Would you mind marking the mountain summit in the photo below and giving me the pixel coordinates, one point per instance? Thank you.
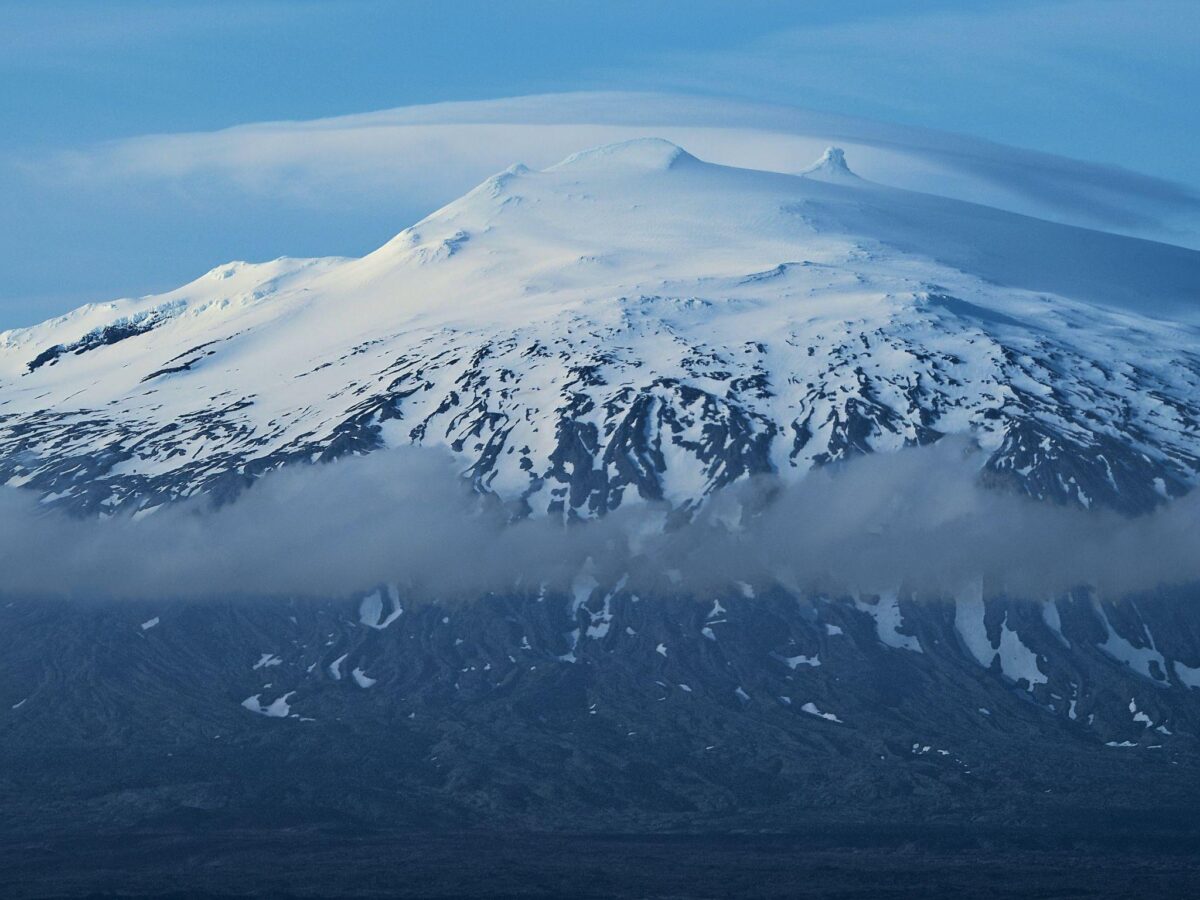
(633, 322)
(632, 326)
(830, 167)
(640, 153)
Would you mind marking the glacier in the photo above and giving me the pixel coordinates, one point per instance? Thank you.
(634, 324)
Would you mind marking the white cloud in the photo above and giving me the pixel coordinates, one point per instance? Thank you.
(915, 518)
(1092, 76)
(423, 156)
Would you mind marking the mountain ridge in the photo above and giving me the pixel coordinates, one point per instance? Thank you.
(616, 327)
(581, 341)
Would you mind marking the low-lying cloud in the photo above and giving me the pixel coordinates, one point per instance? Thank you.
(916, 520)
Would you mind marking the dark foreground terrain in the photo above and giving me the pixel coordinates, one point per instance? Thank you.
(601, 745)
(849, 862)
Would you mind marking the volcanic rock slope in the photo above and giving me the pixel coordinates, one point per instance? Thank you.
(630, 325)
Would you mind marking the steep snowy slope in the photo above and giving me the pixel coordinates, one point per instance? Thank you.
(635, 323)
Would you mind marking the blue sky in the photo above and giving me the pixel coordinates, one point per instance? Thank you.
(1104, 80)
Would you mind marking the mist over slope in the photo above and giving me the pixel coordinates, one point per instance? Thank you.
(916, 521)
(639, 494)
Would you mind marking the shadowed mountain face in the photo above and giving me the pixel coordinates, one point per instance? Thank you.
(631, 326)
(601, 712)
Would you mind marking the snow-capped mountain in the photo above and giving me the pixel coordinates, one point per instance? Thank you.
(634, 323)
(630, 325)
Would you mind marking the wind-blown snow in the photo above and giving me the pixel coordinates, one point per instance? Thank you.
(276, 709)
(888, 621)
(1146, 660)
(371, 610)
(812, 710)
(1014, 658)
